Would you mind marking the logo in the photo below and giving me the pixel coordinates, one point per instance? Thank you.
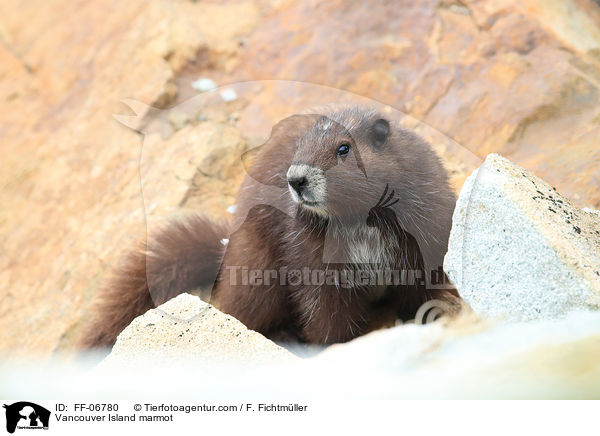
(26, 415)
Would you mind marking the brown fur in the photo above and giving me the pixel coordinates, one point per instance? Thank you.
(272, 232)
(154, 273)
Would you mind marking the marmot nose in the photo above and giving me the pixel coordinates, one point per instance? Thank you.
(298, 183)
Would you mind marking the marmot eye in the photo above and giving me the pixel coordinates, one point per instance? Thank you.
(343, 149)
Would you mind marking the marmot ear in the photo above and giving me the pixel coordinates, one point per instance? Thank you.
(380, 131)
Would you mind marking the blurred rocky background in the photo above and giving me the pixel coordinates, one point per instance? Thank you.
(520, 78)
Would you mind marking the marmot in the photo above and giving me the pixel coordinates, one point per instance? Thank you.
(336, 202)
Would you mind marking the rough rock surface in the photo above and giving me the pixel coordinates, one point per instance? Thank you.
(470, 358)
(463, 359)
(70, 174)
(520, 250)
(519, 78)
(190, 330)
(516, 77)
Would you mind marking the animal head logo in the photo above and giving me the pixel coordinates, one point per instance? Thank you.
(26, 415)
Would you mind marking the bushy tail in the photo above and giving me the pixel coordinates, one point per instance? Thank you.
(185, 255)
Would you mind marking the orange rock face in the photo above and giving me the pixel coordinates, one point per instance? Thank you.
(520, 78)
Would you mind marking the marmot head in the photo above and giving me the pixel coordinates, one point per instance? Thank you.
(341, 164)
(338, 162)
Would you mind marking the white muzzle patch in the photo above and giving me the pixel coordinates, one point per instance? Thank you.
(314, 191)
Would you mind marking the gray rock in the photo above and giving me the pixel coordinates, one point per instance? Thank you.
(188, 329)
(594, 211)
(461, 358)
(469, 358)
(519, 250)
